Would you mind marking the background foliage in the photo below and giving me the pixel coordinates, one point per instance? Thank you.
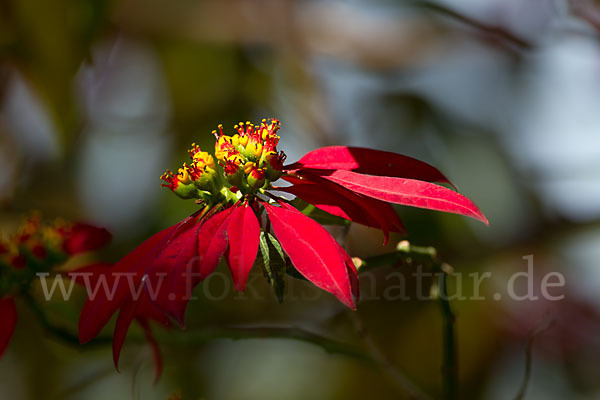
(98, 97)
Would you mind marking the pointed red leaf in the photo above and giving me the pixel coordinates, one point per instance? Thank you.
(96, 312)
(158, 364)
(408, 192)
(124, 320)
(374, 213)
(212, 242)
(313, 251)
(352, 272)
(369, 161)
(243, 232)
(171, 276)
(343, 203)
(8, 322)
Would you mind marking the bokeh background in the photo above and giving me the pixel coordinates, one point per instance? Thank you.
(98, 98)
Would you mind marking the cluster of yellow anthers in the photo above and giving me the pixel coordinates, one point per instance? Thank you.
(247, 162)
(33, 239)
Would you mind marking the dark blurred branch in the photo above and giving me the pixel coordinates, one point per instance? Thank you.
(57, 332)
(205, 335)
(529, 359)
(409, 254)
(201, 336)
(396, 376)
(450, 363)
(587, 11)
(490, 30)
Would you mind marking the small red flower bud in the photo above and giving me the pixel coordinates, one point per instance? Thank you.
(180, 183)
(39, 251)
(254, 176)
(233, 169)
(18, 261)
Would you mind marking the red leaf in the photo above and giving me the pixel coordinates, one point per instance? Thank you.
(243, 232)
(8, 322)
(346, 204)
(124, 320)
(84, 237)
(369, 161)
(171, 276)
(313, 251)
(212, 242)
(408, 192)
(158, 364)
(96, 313)
(352, 273)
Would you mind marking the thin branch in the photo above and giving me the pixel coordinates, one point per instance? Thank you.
(395, 375)
(529, 359)
(491, 30)
(243, 332)
(58, 332)
(409, 254)
(208, 334)
(450, 362)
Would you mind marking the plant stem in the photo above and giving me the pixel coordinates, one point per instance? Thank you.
(409, 254)
(399, 378)
(529, 359)
(208, 334)
(450, 363)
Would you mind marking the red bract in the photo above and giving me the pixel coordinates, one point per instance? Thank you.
(81, 238)
(35, 247)
(98, 278)
(8, 315)
(234, 189)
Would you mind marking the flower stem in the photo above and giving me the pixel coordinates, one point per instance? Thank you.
(409, 254)
(450, 363)
(399, 378)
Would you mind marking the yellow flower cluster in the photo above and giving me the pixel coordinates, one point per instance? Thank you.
(246, 162)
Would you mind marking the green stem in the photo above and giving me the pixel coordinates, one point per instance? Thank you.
(450, 364)
(409, 254)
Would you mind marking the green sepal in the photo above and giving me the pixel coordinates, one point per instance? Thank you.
(273, 263)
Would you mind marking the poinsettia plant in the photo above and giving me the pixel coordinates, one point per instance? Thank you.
(240, 213)
(38, 247)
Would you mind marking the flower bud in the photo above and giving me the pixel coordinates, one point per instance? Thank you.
(254, 176)
(253, 149)
(234, 173)
(204, 175)
(273, 162)
(224, 147)
(180, 183)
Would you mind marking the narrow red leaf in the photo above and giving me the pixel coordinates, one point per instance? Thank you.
(96, 313)
(369, 161)
(158, 363)
(212, 242)
(352, 273)
(341, 202)
(8, 322)
(243, 232)
(313, 251)
(172, 275)
(124, 320)
(408, 192)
